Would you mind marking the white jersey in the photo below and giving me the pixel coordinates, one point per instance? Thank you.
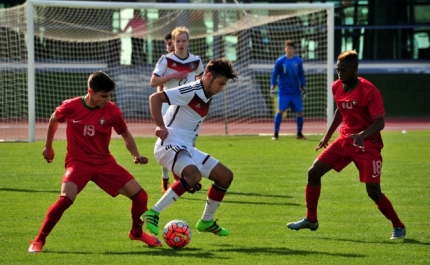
(171, 63)
(188, 108)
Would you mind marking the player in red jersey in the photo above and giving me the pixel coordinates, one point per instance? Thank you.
(90, 120)
(360, 107)
(138, 35)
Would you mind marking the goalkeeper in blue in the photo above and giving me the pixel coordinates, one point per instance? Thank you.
(288, 75)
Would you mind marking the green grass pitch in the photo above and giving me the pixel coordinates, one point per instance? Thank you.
(267, 192)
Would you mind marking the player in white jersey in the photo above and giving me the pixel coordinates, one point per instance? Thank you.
(189, 106)
(175, 69)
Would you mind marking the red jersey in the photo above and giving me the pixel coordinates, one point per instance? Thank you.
(138, 27)
(359, 107)
(89, 129)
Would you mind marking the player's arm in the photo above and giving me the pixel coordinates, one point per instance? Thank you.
(273, 81)
(377, 126)
(302, 81)
(48, 152)
(199, 77)
(337, 119)
(126, 27)
(160, 88)
(156, 101)
(274, 77)
(160, 80)
(132, 148)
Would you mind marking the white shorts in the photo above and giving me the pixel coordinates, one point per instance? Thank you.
(167, 156)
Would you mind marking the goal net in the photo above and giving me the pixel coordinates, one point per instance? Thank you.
(49, 48)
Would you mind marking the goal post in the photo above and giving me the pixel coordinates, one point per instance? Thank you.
(51, 47)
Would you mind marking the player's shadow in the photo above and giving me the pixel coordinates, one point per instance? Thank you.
(197, 252)
(253, 194)
(233, 198)
(404, 241)
(286, 251)
(250, 194)
(162, 252)
(28, 190)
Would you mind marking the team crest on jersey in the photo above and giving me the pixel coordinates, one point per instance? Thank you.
(102, 121)
(192, 66)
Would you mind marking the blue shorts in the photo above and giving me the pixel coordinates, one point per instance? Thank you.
(294, 102)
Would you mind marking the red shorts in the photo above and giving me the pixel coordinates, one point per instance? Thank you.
(342, 152)
(109, 177)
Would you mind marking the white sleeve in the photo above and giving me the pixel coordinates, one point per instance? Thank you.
(161, 66)
(201, 68)
(178, 97)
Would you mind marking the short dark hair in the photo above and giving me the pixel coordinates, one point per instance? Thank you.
(350, 56)
(290, 43)
(221, 67)
(168, 36)
(100, 81)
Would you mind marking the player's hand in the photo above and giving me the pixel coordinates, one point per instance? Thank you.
(303, 92)
(48, 154)
(140, 160)
(323, 143)
(179, 75)
(272, 91)
(358, 141)
(161, 132)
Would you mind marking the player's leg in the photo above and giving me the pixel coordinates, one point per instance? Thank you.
(297, 107)
(165, 179)
(199, 185)
(369, 164)
(312, 194)
(134, 50)
(141, 51)
(386, 208)
(139, 205)
(115, 179)
(222, 178)
(184, 165)
(282, 106)
(333, 157)
(73, 182)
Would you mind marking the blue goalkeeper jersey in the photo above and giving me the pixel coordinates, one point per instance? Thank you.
(288, 74)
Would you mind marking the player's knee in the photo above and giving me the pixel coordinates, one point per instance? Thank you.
(314, 177)
(374, 196)
(229, 177)
(374, 192)
(221, 175)
(191, 175)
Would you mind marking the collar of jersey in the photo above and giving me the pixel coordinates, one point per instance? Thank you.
(85, 104)
(352, 88)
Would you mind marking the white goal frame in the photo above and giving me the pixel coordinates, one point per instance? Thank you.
(168, 6)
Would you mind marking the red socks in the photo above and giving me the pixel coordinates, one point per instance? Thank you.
(52, 217)
(176, 177)
(384, 205)
(139, 205)
(312, 195)
(216, 193)
(178, 188)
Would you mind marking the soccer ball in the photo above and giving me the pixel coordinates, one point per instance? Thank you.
(177, 234)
